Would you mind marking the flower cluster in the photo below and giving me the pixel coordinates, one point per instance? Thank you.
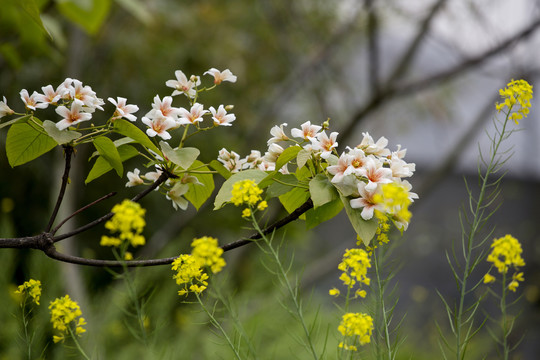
(189, 268)
(65, 311)
(358, 328)
(354, 267)
(128, 222)
(207, 252)
(74, 102)
(506, 252)
(358, 173)
(32, 288)
(248, 192)
(516, 91)
(164, 117)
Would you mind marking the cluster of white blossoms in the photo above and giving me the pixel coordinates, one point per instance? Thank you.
(74, 102)
(358, 173)
(164, 117)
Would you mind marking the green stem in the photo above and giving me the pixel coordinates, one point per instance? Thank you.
(216, 323)
(506, 350)
(285, 280)
(381, 305)
(76, 342)
(477, 220)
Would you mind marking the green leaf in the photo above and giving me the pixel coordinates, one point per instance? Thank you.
(26, 141)
(183, 156)
(364, 228)
(20, 119)
(323, 213)
(198, 194)
(88, 14)
(126, 128)
(302, 157)
(102, 166)
(60, 136)
(222, 170)
(285, 184)
(224, 194)
(108, 151)
(322, 190)
(293, 199)
(287, 155)
(31, 8)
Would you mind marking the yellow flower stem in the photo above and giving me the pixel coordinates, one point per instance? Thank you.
(76, 342)
(25, 322)
(505, 329)
(381, 307)
(132, 291)
(468, 247)
(216, 323)
(285, 280)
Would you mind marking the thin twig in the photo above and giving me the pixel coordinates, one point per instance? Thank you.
(68, 151)
(53, 231)
(162, 178)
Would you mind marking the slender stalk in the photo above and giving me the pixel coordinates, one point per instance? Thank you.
(76, 342)
(477, 219)
(506, 332)
(216, 323)
(381, 305)
(68, 150)
(285, 280)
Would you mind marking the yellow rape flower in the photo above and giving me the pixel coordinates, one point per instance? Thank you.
(207, 252)
(189, 274)
(126, 224)
(506, 252)
(516, 92)
(354, 267)
(357, 327)
(246, 192)
(65, 311)
(32, 288)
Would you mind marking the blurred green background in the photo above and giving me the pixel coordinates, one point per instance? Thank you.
(423, 74)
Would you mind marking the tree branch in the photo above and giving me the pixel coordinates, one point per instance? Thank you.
(393, 91)
(68, 151)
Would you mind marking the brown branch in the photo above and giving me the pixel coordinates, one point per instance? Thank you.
(68, 151)
(278, 224)
(50, 250)
(162, 178)
(414, 87)
(412, 49)
(53, 231)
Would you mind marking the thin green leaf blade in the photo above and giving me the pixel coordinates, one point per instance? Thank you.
(126, 128)
(108, 151)
(102, 166)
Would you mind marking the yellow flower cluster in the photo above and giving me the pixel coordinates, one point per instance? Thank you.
(516, 91)
(506, 252)
(31, 287)
(207, 252)
(356, 326)
(64, 311)
(190, 268)
(189, 275)
(354, 265)
(128, 221)
(395, 200)
(248, 192)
